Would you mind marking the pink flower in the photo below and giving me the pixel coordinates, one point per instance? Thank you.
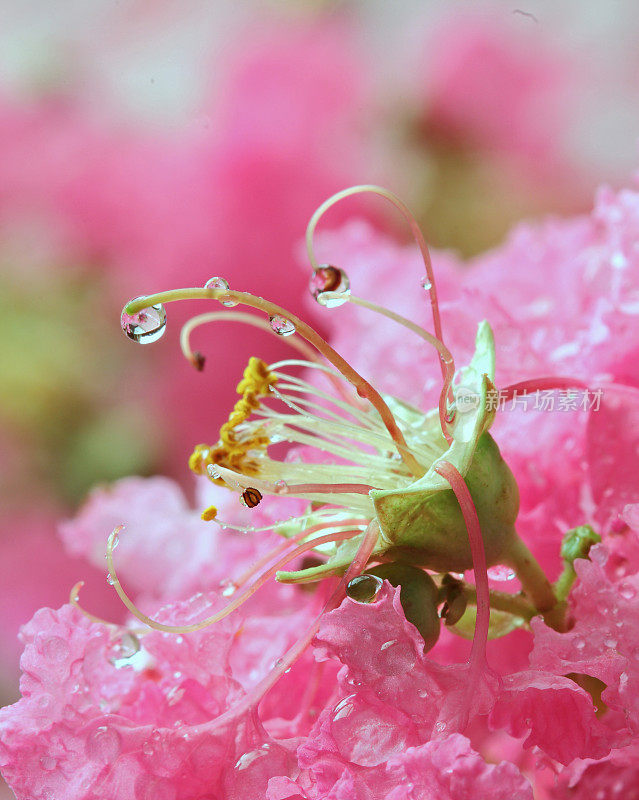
(365, 712)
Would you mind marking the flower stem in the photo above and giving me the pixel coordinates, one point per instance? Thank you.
(535, 584)
(515, 604)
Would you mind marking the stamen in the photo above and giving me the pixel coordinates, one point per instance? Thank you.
(418, 235)
(363, 388)
(328, 513)
(357, 410)
(446, 358)
(240, 483)
(540, 385)
(252, 699)
(344, 428)
(308, 491)
(346, 524)
(236, 603)
(197, 359)
(74, 600)
(329, 488)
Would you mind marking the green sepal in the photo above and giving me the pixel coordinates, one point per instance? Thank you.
(425, 516)
(423, 523)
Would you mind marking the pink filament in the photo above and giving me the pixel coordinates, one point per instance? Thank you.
(451, 474)
(284, 545)
(253, 698)
(541, 384)
(330, 488)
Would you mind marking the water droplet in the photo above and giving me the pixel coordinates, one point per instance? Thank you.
(364, 588)
(281, 487)
(627, 591)
(220, 283)
(425, 283)
(281, 325)
(440, 726)
(386, 645)
(110, 579)
(580, 644)
(327, 278)
(247, 759)
(610, 643)
(128, 645)
(48, 763)
(228, 587)
(501, 573)
(103, 744)
(115, 541)
(147, 325)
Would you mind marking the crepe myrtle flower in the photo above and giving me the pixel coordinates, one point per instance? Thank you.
(391, 492)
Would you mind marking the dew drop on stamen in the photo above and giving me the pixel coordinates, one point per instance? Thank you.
(145, 326)
(328, 278)
(220, 283)
(364, 588)
(425, 283)
(281, 326)
(281, 487)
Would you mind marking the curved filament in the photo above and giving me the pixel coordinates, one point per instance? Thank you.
(446, 357)
(287, 543)
(540, 385)
(236, 603)
(477, 660)
(256, 694)
(240, 482)
(74, 600)
(418, 235)
(363, 387)
(257, 322)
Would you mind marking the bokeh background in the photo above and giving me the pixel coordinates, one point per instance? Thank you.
(150, 144)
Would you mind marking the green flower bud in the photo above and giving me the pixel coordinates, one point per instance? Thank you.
(418, 596)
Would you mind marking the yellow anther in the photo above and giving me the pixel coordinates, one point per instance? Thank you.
(199, 459)
(257, 378)
(232, 451)
(209, 513)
